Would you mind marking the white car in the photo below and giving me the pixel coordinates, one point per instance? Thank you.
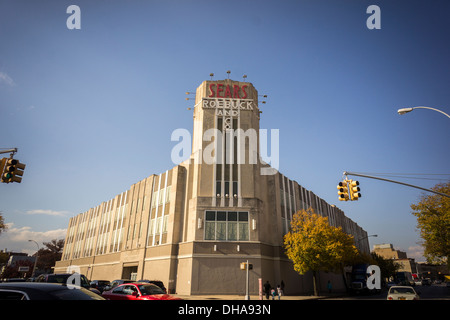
(402, 293)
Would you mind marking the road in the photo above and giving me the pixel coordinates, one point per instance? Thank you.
(432, 292)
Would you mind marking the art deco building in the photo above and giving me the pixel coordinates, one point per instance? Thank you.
(193, 225)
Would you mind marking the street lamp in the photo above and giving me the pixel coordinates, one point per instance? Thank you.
(372, 235)
(406, 110)
(35, 260)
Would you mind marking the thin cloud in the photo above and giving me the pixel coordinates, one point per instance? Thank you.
(4, 78)
(16, 239)
(416, 252)
(48, 212)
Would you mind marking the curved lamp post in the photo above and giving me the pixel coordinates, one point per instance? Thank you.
(406, 110)
(366, 237)
(35, 260)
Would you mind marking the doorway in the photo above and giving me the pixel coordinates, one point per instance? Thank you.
(130, 273)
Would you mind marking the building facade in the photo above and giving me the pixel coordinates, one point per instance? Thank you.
(193, 225)
(387, 251)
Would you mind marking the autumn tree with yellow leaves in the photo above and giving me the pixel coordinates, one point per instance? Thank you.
(314, 245)
(433, 221)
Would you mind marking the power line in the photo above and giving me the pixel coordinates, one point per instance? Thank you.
(419, 176)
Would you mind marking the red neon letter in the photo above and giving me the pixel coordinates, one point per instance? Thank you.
(243, 90)
(219, 89)
(227, 91)
(212, 90)
(236, 91)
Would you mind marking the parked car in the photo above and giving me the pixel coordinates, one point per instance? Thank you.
(418, 282)
(137, 291)
(100, 285)
(64, 277)
(117, 282)
(390, 284)
(156, 282)
(13, 280)
(44, 291)
(402, 293)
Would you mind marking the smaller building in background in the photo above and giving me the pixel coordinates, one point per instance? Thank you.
(387, 251)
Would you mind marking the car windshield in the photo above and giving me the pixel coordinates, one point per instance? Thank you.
(402, 290)
(149, 289)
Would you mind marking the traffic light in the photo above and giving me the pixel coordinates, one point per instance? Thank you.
(2, 169)
(11, 170)
(343, 191)
(354, 190)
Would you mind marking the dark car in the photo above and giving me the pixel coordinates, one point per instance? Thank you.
(117, 282)
(156, 282)
(13, 280)
(67, 278)
(100, 285)
(44, 291)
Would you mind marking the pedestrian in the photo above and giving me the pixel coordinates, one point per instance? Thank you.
(279, 291)
(273, 293)
(329, 286)
(267, 287)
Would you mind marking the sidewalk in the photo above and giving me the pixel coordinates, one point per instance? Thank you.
(254, 297)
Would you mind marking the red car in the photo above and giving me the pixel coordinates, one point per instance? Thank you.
(137, 291)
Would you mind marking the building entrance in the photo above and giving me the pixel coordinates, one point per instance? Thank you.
(130, 273)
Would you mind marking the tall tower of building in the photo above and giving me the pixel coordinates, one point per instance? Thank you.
(226, 141)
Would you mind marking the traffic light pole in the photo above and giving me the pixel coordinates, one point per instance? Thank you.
(13, 150)
(393, 181)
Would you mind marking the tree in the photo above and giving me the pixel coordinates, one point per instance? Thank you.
(433, 221)
(3, 226)
(388, 267)
(48, 256)
(12, 271)
(314, 245)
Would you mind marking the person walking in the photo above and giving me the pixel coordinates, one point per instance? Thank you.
(267, 287)
(273, 293)
(279, 291)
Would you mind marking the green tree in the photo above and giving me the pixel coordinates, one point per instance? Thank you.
(433, 221)
(314, 245)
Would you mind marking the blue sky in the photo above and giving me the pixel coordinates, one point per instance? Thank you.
(92, 110)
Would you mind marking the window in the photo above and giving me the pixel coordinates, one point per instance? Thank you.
(226, 226)
(118, 290)
(128, 290)
(12, 295)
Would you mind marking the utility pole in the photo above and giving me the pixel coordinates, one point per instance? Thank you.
(393, 181)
